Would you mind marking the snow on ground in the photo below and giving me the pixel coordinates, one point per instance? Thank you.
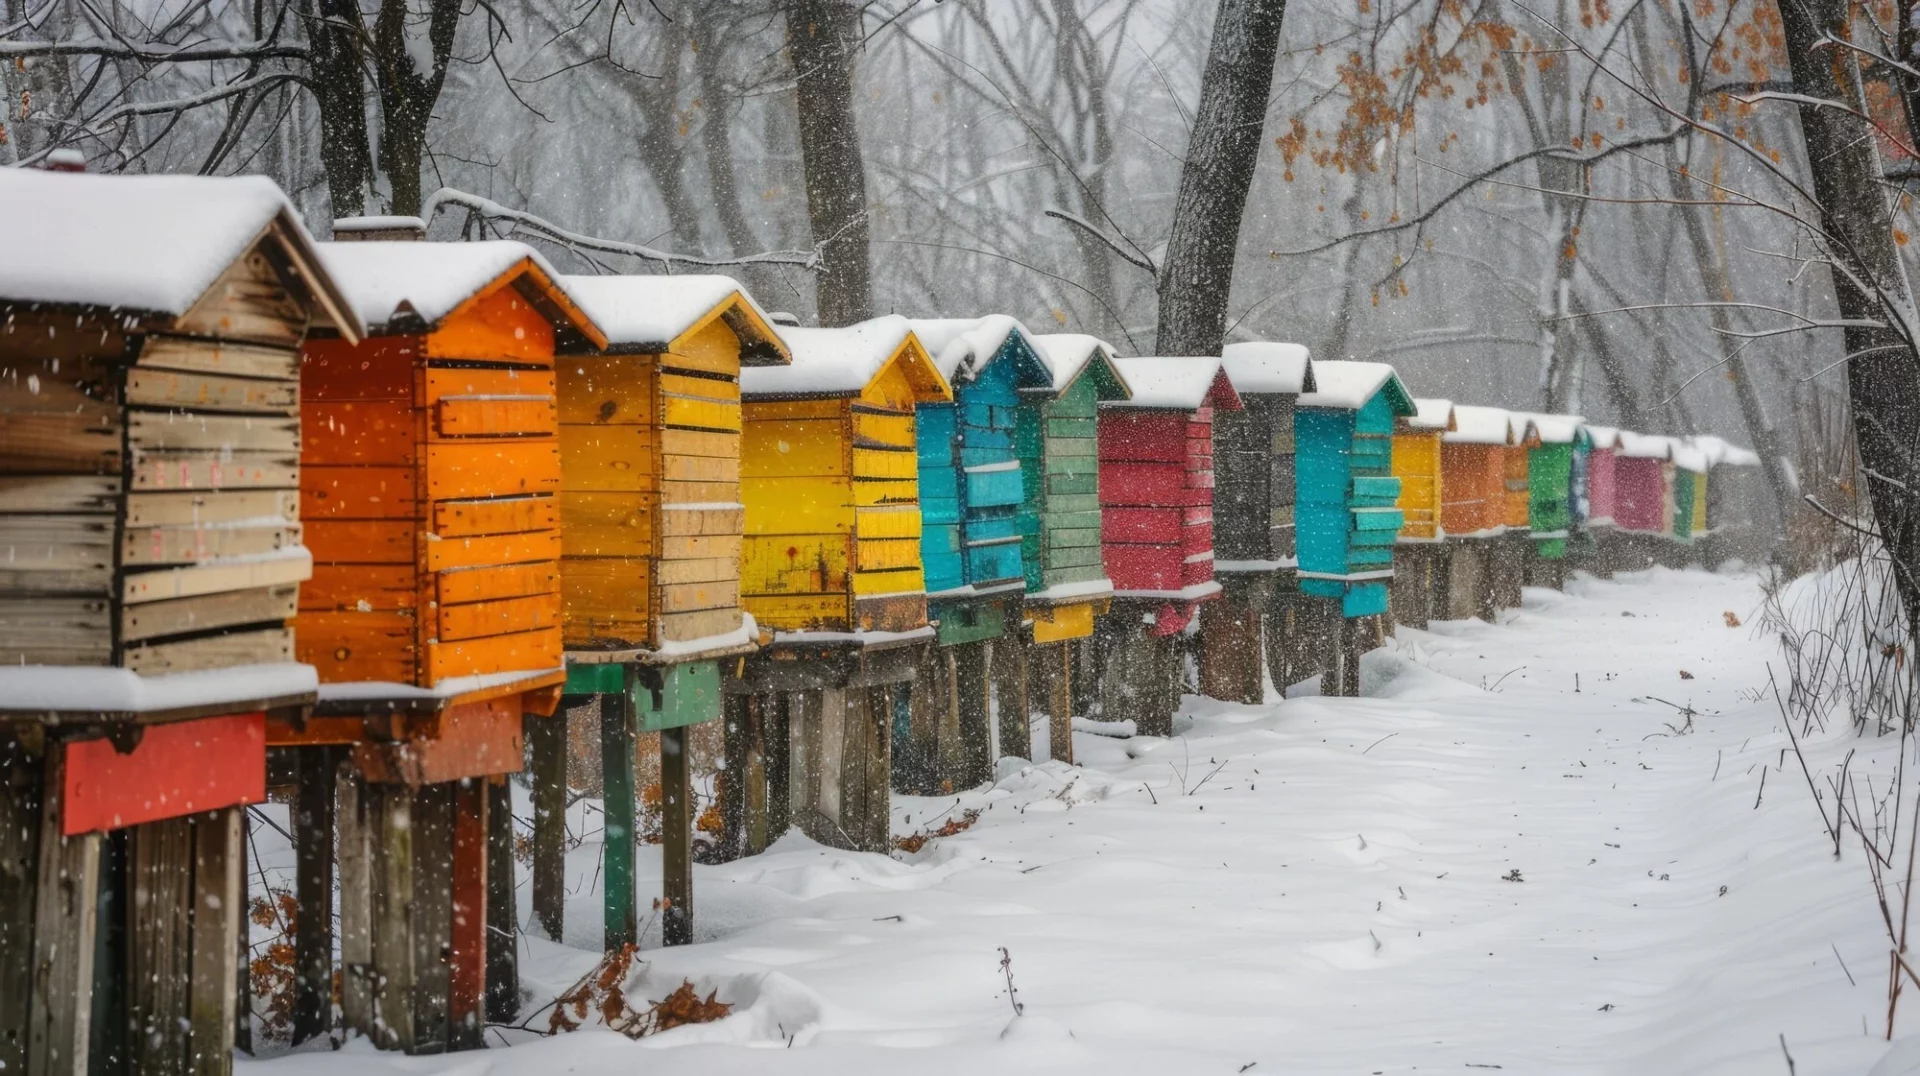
(1503, 858)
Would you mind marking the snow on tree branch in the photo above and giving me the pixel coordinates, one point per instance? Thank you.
(490, 210)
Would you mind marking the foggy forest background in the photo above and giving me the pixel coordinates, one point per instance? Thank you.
(1405, 204)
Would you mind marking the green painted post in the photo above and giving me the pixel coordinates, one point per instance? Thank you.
(617, 781)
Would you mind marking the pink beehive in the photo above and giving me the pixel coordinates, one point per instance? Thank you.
(1639, 488)
(1600, 475)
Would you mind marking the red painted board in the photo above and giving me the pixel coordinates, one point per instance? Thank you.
(1196, 538)
(467, 956)
(474, 739)
(1144, 567)
(1143, 435)
(1151, 485)
(1141, 525)
(176, 769)
(1196, 571)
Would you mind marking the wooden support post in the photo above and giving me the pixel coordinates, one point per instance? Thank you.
(356, 901)
(242, 940)
(503, 913)
(548, 739)
(1354, 634)
(617, 749)
(1230, 651)
(971, 685)
(160, 944)
(1060, 706)
(774, 717)
(881, 703)
(676, 844)
(60, 1013)
(950, 760)
(428, 917)
(216, 922)
(467, 929)
(733, 781)
(390, 964)
(21, 799)
(754, 775)
(313, 836)
(1009, 657)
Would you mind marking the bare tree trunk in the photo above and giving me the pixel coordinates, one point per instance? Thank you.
(822, 36)
(1883, 377)
(716, 139)
(1196, 277)
(336, 64)
(407, 95)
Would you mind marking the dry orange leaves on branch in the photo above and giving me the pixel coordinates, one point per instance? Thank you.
(603, 990)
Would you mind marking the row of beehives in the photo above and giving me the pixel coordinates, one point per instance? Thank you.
(372, 503)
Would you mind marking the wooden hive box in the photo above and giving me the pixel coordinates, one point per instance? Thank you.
(1517, 513)
(1058, 444)
(1348, 522)
(149, 461)
(1157, 483)
(829, 478)
(1602, 444)
(1254, 458)
(1640, 486)
(1473, 473)
(1550, 483)
(1416, 463)
(1689, 491)
(972, 492)
(429, 493)
(651, 501)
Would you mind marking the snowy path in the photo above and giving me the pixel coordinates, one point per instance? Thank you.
(1330, 893)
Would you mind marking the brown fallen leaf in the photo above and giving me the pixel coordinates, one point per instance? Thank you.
(1732, 621)
(1685, 675)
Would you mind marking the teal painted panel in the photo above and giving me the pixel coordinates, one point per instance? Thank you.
(676, 696)
(1376, 416)
(988, 528)
(993, 488)
(1323, 588)
(988, 563)
(1364, 599)
(1373, 487)
(1378, 519)
(967, 623)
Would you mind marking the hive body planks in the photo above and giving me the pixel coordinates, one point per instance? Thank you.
(1549, 486)
(1254, 463)
(1156, 499)
(651, 500)
(1473, 489)
(1416, 463)
(135, 464)
(1516, 512)
(1347, 494)
(833, 525)
(432, 465)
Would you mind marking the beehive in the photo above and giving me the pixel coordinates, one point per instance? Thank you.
(971, 490)
(1253, 457)
(1157, 482)
(150, 433)
(1550, 483)
(1416, 463)
(1473, 472)
(829, 481)
(1057, 440)
(1348, 519)
(1689, 518)
(432, 467)
(1640, 488)
(650, 443)
(1524, 437)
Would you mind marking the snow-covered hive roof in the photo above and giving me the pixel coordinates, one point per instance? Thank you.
(1555, 429)
(1476, 425)
(1721, 451)
(390, 283)
(1522, 429)
(145, 244)
(961, 346)
(1604, 437)
(1344, 385)
(1067, 354)
(645, 314)
(1268, 366)
(1644, 446)
(1687, 456)
(1175, 383)
(1431, 414)
(839, 362)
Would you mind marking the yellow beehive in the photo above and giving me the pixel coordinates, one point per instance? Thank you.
(1416, 463)
(650, 505)
(830, 483)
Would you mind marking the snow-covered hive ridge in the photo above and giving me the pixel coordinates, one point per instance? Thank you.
(961, 346)
(1346, 385)
(1644, 446)
(1177, 382)
(148, 244)
(1554, 429)
(1431, 414)
(432, 279)
(1477, 425)
(1604, 437)
(646, 314)
(830, 362)
(1066, 354)
(1268, 366)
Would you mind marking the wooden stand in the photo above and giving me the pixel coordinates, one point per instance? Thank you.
(503, 913)
(1232, 639)
(1417, 592)
(1138, 673)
